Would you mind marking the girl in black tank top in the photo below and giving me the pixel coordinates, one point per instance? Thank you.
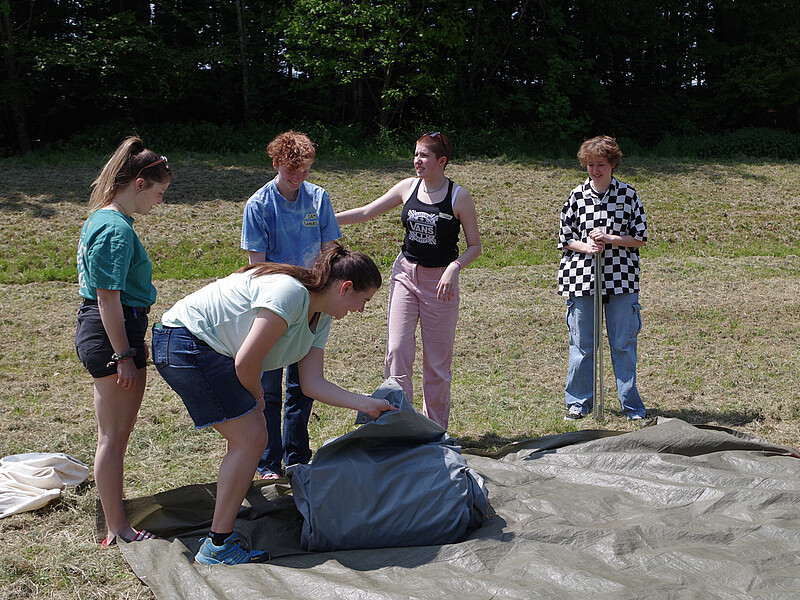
(432, 230)
(424, 282)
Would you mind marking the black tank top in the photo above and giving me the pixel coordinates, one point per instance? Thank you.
(431, 230)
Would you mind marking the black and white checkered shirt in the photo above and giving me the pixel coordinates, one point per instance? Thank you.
(620, 212)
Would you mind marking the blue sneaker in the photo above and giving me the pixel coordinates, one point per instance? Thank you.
(231, 552)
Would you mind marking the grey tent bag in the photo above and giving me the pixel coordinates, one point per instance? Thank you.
(397, 481)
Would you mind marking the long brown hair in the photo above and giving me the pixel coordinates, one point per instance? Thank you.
(334, 263)
(130, 160)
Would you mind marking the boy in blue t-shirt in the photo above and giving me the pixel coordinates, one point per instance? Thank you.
(287, 221)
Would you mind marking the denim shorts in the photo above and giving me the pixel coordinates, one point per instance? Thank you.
(204, 379)
(92, 343)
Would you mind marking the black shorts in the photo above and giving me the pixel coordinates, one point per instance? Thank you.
(92, 343)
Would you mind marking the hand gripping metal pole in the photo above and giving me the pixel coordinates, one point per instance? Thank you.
(598, 336)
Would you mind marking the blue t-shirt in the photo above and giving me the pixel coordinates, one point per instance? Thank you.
(111, 257)
(222, 313)
(289, 232)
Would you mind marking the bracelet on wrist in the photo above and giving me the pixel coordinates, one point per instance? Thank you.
(122, 357)
(458, 264)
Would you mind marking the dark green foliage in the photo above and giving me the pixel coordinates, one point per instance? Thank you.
(749, 142)
(523, 75)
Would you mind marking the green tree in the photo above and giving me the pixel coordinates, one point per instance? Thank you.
(382, 52)
(752, 64)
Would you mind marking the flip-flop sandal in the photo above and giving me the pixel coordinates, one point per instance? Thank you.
(269, 475)
(142, 534)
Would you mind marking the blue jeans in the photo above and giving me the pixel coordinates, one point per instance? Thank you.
(294, 446)
(623, 323)
(205, 380)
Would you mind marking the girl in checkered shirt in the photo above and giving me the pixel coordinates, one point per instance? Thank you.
(602, 215)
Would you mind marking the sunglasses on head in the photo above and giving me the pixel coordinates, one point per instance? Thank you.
(432, 134)
(163, 159)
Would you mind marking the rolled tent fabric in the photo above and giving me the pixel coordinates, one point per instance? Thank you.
(397, 481)
(29, 481)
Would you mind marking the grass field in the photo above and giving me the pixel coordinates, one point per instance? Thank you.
(720, 297)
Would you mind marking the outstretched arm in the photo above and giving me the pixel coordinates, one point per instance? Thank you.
(394, 197)
(316, 386)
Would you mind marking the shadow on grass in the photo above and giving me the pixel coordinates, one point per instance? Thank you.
(702, 417)
(490, 442)
(18, 202)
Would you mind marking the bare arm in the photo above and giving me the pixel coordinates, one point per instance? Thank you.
(464, 210)
(627, 241)
(314, 385)
(589, 247)
(267, 328)
(110, 307)
(391, 199)
(256, 257)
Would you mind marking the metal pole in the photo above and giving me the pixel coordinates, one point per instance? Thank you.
(598, 336)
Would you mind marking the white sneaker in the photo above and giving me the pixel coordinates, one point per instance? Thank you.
(574, 413)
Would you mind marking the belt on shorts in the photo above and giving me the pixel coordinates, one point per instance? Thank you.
(135, 309)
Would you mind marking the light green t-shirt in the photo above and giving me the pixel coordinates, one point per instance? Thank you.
(111, 257)
(222, 313)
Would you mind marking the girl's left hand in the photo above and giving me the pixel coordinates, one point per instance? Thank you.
(448, 283)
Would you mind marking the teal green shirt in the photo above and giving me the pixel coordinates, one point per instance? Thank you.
(111, 257)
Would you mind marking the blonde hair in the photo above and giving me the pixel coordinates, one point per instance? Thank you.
(291, 149)
(126, 164)
(601, 146)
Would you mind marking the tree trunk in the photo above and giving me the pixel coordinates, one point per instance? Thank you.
(243, 59)
(17, 108)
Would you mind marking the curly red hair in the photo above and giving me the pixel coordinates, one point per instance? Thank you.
(291, 149)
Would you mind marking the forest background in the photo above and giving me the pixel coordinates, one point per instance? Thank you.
(528, 77)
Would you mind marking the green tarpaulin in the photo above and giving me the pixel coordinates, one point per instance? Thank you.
(669, 511)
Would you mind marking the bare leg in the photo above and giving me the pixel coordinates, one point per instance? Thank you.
(116, 410)
(247, 438)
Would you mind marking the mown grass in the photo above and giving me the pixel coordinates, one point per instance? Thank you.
(720, 296)
(709, 210)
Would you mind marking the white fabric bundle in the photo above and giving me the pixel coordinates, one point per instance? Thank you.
(29, 481)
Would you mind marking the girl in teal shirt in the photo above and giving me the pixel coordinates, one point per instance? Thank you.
(115, 281)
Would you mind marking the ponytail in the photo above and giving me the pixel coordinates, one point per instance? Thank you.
(129, 161)
(334, 263)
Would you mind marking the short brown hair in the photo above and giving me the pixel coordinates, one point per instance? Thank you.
(291, 149)
(601, 146)
(437, 142)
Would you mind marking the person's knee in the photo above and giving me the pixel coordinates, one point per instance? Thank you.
(113, 441)
(253, 438)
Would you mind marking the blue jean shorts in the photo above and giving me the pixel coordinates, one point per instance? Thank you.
(204, 379)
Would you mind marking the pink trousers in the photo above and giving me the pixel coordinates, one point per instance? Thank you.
(412, 299)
